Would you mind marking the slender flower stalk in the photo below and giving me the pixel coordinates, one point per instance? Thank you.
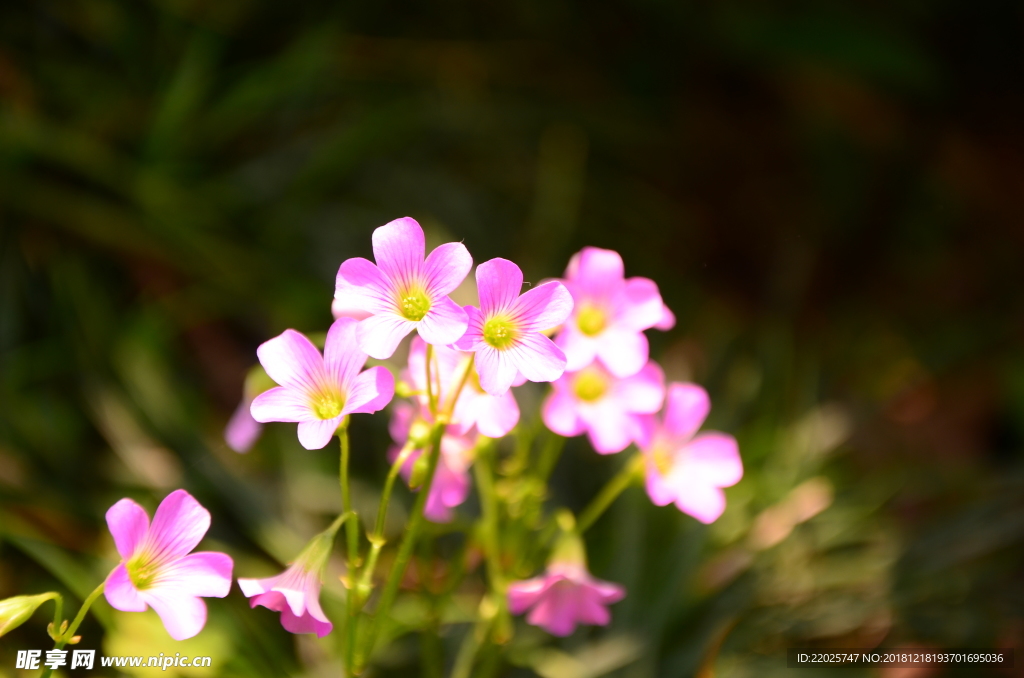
(68, 635)
(629, 474)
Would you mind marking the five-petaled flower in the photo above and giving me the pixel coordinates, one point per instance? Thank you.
(158, 569)
(610, 315)
(566, 594)
(607, 408)
(318, 391)
(685, 467)
(506, 332)
(403, 291)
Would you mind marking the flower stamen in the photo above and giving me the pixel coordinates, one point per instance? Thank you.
(500, 333)
(591, 319)
(414, 305)
(590, 386)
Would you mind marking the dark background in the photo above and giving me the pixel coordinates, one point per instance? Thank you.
(829, 194)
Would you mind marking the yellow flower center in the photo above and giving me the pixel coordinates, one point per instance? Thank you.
(590, 385)
(328, 405)
(500, 333)
(591, 319)
(414, 304)
(661, 457)
(140, 571)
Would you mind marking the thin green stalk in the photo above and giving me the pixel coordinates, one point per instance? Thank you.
(431, 397)
(610, 493)
(352, 532)
(549, 455)
(70, 633)
(466, 656)
(491, 528)
(376, 538)
(405, 550)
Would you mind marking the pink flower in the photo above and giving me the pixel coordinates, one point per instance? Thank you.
(157, 568)
(610, 314)
(451, 479)
(317, 391)
(565, 595)
(493, 416)
(506, 331)
(403, 291)
(609, 409)
(685, 468)
(340, 310)
(295, 593)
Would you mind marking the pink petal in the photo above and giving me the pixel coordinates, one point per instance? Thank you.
(401, 421)
(496, 369)
(398, 248)
(199, 574)
(444, 323)
(342, 357)
(610, 427)
(362, 286)
(543, 307)
(314, 435)
(307, 623)
(121, 593)
(639, 305)
(498, 282)
(607, 592)
(686, 409)
(179, 525)
(183, 616)
(599, 272)
(537, 358)
(292, 360)
(380, 335)
(556, 611)
(703, 502)
(242, 430)
(281, 404)
(347, 307)
(473, 338)
(590, 610)
(370, 391)
(715, 458)
(561, 415)
(667, 320)
(624, 352)
(128, 524)
(580, 350)
(644, 392)
(658, 489)
(446, 268)
(523, 595)
(497, 415)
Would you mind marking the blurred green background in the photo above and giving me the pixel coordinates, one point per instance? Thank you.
(830, 195)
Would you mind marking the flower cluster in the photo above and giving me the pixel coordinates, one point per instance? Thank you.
(457, 398)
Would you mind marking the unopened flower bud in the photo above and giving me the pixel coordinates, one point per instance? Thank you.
(15, 611)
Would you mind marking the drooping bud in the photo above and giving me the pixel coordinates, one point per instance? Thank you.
(16, 611)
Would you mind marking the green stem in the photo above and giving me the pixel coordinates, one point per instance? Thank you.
(70, 633)
(610, 492)
(491, 534)
(549, 455)
(415, 525)
(431, 398)
(352, 532)
(376, 538)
